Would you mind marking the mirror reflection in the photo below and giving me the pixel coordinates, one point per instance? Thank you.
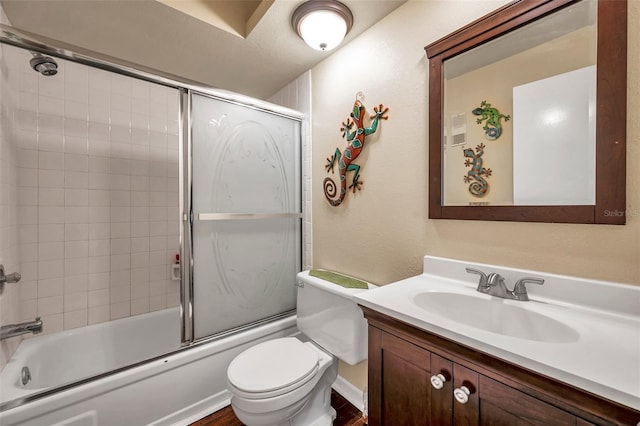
(519, 115)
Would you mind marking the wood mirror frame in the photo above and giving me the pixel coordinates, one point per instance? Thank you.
(611, 113)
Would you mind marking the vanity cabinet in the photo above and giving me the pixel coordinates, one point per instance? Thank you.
(419, 378)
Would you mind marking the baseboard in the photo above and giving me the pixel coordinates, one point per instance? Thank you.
(349, 392)
(196, 411)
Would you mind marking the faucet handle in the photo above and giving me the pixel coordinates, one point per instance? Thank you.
(482, 284)
(520, 290)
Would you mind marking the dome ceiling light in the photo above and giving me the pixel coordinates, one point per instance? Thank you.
(322, 24)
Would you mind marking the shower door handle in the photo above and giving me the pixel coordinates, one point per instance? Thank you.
(247, 216)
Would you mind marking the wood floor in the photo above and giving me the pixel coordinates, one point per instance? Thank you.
(347, 415)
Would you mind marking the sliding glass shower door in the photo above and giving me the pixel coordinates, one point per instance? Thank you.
(246, 214)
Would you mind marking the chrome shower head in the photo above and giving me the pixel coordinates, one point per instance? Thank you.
(44, 65)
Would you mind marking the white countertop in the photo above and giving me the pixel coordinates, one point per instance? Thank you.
(603, 358)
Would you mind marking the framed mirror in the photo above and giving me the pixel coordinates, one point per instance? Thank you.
(527, 114)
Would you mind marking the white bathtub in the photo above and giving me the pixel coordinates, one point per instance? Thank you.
(173, 389)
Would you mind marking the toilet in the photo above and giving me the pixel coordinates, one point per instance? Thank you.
(287, 381)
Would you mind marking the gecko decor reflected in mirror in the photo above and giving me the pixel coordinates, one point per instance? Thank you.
(355, 132)
(527, 114)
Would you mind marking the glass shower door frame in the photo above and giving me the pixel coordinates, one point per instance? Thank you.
(188, 216)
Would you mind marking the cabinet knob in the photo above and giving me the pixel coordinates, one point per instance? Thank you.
(438, 380)
(461, 394)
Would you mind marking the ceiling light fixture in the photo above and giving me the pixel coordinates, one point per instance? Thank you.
(322, 24)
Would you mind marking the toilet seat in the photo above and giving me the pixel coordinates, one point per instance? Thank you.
(272, 368)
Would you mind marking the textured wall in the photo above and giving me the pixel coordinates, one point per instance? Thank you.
(382, 232)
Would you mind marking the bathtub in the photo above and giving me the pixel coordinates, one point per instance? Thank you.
(178, 387)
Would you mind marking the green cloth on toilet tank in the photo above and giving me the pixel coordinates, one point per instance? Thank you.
(339, 279)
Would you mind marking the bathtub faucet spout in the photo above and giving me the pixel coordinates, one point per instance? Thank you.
(11, 330)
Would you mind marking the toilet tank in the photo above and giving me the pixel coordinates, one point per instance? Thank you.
(328, 315)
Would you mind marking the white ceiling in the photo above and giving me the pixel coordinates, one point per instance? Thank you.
(152, 34)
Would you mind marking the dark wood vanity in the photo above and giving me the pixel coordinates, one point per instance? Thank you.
(404, 364)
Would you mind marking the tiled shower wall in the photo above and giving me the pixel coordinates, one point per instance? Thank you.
(297, 95)
(97, 189)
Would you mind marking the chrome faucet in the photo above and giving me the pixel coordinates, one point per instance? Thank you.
(11, 330)
(494, 285)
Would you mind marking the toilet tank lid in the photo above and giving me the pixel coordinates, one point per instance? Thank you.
(272, 365)
(304, 278)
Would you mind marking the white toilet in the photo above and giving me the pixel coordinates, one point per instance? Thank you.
(287, 381)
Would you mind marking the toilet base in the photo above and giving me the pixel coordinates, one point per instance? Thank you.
(318, 411)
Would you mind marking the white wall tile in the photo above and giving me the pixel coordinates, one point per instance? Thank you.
(97, 195)
(99, 281)
(49, 124)
(51, 197)
(50, 86)
(50, 251)
(76, 266)
(76, 231)
(76, 214)
(76, 284)
(75, 319)
(99, 231)
(27, 215)
(120, 310)
(50, 306)
(28, 290)
(28, 196)
(75, 301)
(139, 306)
(76, 90)
(50, 179)
(28, 233)
(54, 322)
(28, 158)
(76, 145)
(140, 260)
(98, 297)
(28, 101)
(76, 249)
(99, 264)
(158, 302)
(76, 179)
(50, 214)
(76, 197)
(29, 271)
(120, 230)
(98, 314)
(50, 288)
(27, 139)
(29, 252)
(76, 110)
(76, 162)
(50, 105)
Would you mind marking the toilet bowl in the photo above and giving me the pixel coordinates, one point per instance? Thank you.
(274, 381)
(287, 381)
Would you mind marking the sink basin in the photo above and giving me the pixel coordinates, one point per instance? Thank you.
(495, 316)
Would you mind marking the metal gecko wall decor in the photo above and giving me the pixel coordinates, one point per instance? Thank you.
(491, 116)
(345, 159)
(478, 185)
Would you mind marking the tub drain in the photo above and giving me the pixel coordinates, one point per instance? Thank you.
(25, 375)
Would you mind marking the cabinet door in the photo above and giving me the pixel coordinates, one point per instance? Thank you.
(465, 381)
(400, 389)
(502, 405)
